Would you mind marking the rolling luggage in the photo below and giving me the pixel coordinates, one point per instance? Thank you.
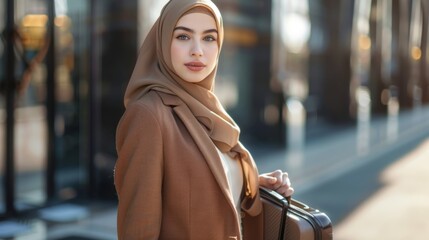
(289, 219)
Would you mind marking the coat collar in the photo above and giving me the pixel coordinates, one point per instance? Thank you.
(169, 99)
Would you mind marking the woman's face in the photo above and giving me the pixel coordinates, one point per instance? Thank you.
(194, 47)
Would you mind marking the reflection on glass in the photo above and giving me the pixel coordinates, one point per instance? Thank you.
(392, 119)
(30, 146)
(71, 77)
(243, 71)
(30, 155)
(291, 28)
(363, 99)
(360, 53)
(415, 52)
(386, 60)
(295, 116)
(296, 30)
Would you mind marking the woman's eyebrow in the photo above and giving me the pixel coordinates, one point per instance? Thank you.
(192, 31)
(210, 31)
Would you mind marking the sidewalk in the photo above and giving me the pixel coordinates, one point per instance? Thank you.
(399, 210)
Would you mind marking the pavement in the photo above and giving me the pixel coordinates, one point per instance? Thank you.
(399, 209)
(370, 179)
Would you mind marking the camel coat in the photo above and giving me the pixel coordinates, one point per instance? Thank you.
(168, 186)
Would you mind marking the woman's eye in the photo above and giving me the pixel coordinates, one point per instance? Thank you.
(182, 37)
(209, 38)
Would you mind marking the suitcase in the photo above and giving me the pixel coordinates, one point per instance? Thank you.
(289, 219)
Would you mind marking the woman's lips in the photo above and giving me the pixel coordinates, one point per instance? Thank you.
(195, 66)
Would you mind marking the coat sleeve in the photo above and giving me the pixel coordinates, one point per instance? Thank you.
(138, 174)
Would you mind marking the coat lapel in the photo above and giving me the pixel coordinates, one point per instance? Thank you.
(203, 141)
(207, 148)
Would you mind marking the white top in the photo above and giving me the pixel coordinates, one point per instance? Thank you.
(234, 175)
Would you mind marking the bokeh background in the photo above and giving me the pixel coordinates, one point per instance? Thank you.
(335, 92)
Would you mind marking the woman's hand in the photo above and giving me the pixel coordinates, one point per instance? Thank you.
(278, 181)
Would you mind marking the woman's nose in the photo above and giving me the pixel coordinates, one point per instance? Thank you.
(196, 49)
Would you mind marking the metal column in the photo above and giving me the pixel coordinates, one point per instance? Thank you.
(9, 172)
(50, 103)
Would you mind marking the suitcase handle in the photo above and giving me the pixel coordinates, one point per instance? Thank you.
(284, 202)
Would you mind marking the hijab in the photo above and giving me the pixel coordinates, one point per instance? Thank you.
(154, 72)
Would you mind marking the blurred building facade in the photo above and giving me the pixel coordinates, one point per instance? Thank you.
(290, 71)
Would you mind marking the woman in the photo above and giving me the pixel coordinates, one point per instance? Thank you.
(181, 171)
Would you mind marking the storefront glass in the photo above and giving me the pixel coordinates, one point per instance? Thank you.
(244, 82)
(50, 117)
(72, 54)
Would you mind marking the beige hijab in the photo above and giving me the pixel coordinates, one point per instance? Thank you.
(154, 71)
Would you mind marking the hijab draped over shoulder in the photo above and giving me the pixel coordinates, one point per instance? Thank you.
(154, 72)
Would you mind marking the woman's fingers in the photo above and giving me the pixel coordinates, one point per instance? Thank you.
(278, 174)
(278, 181)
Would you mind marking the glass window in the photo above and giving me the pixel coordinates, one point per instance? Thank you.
(244, 83)
(71, 96)
(70, 91)
(114, 67)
